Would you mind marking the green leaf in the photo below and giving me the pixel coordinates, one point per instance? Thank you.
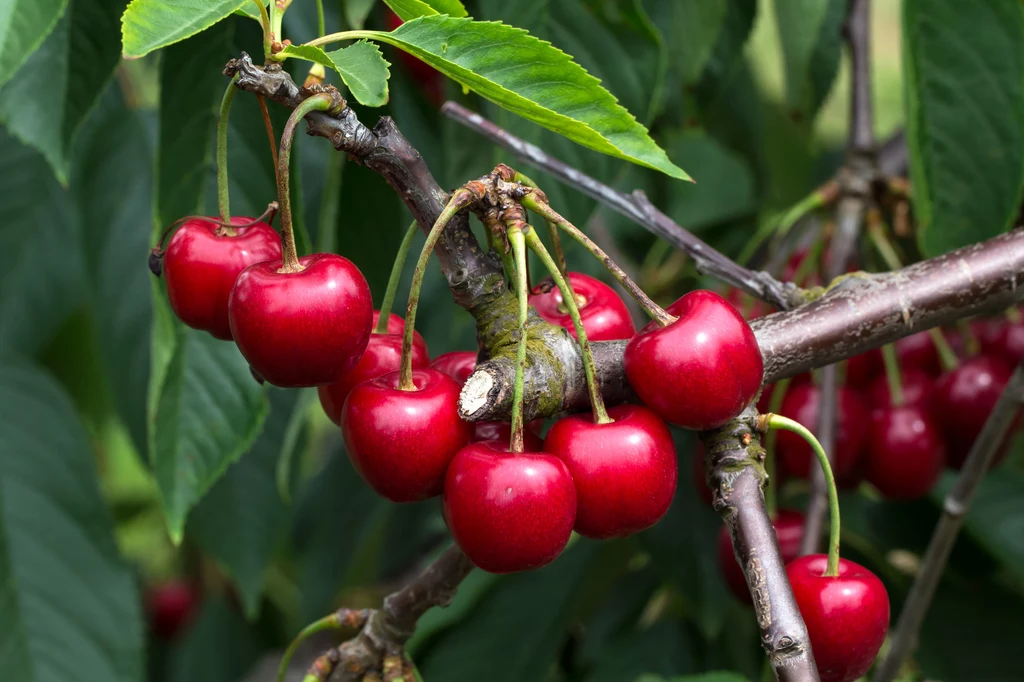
(809, 31)
(23, 26)
(361, 65)
(703, 677)
(75, 61)
(411, 9)
(727, 55)
(242, 519)
(219, 646)
(249, 9)
(149, 25)
(356, 11)
(692, 29)
(725, 184)
(664, 648)
(533, 79)
(964, 66)
(70, 607)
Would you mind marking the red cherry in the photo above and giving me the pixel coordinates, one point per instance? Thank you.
(964, 397)
(789, 529)
(383, 354)
(201, 265)
(918, 389)
(862, 369)
(625, 471)
(914, 352)
(801, 404)
(396, 325)
(847, 616)
(1004, 340)
(501, 432)
(458, 364)
(905, 454)
(604, 314)
(170, 607)
(700, 479)
(702, 369)
(402, 441)
(509, 512)
(303, 328)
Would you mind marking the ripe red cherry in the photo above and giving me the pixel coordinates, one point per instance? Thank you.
(702, 369)
(458, 364)
(303, 328)
(170, 607)
(789, 529)
(501, 432)
(396, 325)
(402, 441)
(905, 454)
(862, 369)
(605, 316)
(847, 616)
(964, 398)
(918, 389)
(801, 404)
(1003, 339)
(201, 264)
(383, 354)
(625, 471)
(509, 512)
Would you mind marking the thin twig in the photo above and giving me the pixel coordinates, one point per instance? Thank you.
(954, 509)
(858, 37)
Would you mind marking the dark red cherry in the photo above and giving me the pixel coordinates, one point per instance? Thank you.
(702, 369)
(605, 316)
(905, 454)
(852, 426)
(383, 355)
(304, 328)
(202, 262)
(847, 616)
(964, 397)
(458, 364)
(170, 606)
(1003, 339)
(509, 512)
(625, 471)
(402, 441)
(501, 432)
(862, 369)
(396, 325)
(789, 529)
(699, 474)
(918, 390)
(914, 352)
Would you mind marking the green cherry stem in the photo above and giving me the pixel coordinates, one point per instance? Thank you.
(459, 200)
(320, 23)
(223, 199)
(774, 406)
(776, 421)
(553, 233)
(395, 278)
(569, 298)
(515, 236)
(947, 357)
(321, 102)
(331, 622)
(892, 375)
(541, 208)
(265, 23)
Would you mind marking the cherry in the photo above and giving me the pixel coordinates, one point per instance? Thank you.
(918, 389)
(303, 328)
(383, 354)
(700, 477)
(458, 364)
(905, 454)
(501, 432)
(914, 352)
(847, 616)
(862, 369)
(789, 529)
(170, 606)
(702, 369)
(1004, 340)
(605, 316)
(402, 441)
(964, 397)
(801, 404)
(509, 512)
(625, 471)
(396, 325)
(765, 401)
(201, 264)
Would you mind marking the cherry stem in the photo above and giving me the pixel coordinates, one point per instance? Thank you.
(808, 263)
(882, 244)
(971, 345)
(223, 190)
(655, 311)
(265, 23)
(569, 299)
(320, 23)
(774, 406)
(320, 102)
(947, 358)
(555, 236)
(515, 236)
(893, 375)
(331, 622)
(777, 421)
(458, 201)
(817, 199)
(269, 125)
(395, 278)
(277, 10)
(1013, 315)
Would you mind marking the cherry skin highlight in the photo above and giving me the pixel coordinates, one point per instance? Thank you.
(801, 404)
(605, 316)
(964, 397)
(625, 471)
(201, 264)
(699, 371)
(383, 355)
(458, 364)
(906, 452)
(847, 616)
(509, 512)
(789, 529)
(401, 442)
(303, 328)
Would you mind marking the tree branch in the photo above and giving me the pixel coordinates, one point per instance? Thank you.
(954, 509)
(858, 37)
